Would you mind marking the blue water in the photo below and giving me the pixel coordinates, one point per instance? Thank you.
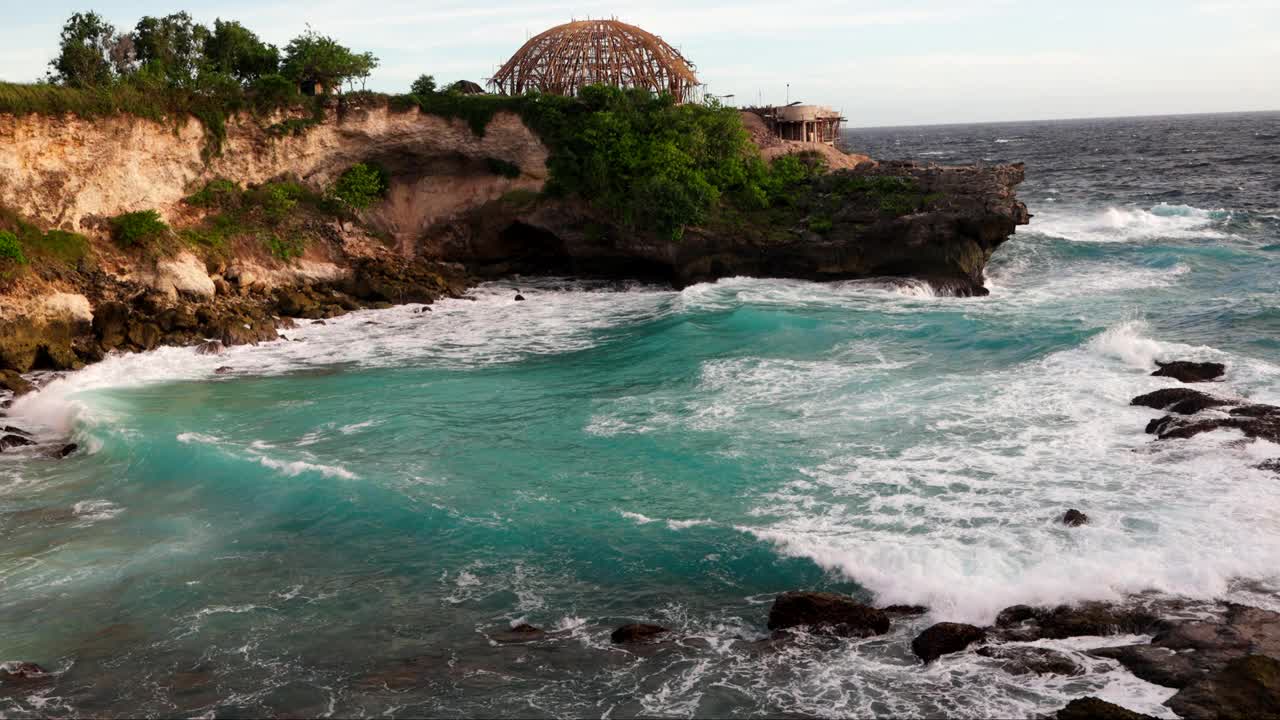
(346, 522)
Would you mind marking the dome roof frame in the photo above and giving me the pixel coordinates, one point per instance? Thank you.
(568, 57)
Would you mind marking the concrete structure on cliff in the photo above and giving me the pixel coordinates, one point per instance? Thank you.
(802, 123)
(568, 57)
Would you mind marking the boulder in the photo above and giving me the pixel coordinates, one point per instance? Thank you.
(209, 347)
(523, 632)
(1248, 687)
(1092, 708)
(222, 370)
(14, 383)
(1254, 421)
(944, 638)
(1183, 401)
(905, 610)
(65, 450)
(1158, 665)
(184, 275)
(22, 673)
(1024, 623)
(1027, 659)
(144, 335)
(111, 324)
(519, 297)
(295, 303)
(13, 441)
(1190, 372)
(827, 613)
(1074, 518)
(636, 633)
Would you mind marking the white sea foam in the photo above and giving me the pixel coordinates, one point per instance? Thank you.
(297, 467)
(1130, 224)
(970, 524)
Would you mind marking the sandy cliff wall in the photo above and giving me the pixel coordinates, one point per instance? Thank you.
(71, 172)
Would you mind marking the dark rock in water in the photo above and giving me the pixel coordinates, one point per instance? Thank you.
(1160, 424)
(523, 632)
(1092, 708)
(1185, 652)
(1190, 372)
(944, 638)
(1248, 687)
(1158, 665)
(110, 324)
(22, 674)
(66, 450)
(1025, 660)
(1272, 465)
(223, 370)
(15, 383)
(1183, 401)
(636, 632)
(827, 613)
(1254, 421)
(13, 441)
(905, 610)
(1021, 622)
(519, 297)
(15, 431)
(318, 322)
(211, 347)
(1074, 518)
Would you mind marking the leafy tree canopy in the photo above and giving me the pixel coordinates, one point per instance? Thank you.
(424, 85)
(85, 53)
(312, 57)
(171, 46)
(235, 50)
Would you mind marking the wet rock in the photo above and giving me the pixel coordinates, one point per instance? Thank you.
(210, 347)
(1160, 424)
(222, 370)
(523, 632)
(65, 450)
(636, 632)
(944, 638)
(111, 323)
(1092, 708)
(519, 297)
(20, 675)
(1024, 623)
(1248, 687)
(1183, 401)
(1254, 421)
(905, 610)
(1272, 465)
(1158, 665)
(14, 383)
(144, 335)
(15, 431)
(14, 441)
(827, 613)
(1190, 372)
(318, 322)
(1074, 518)
(295, 303)
(1026, 660)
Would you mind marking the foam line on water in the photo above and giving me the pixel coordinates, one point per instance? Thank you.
(1132, 224)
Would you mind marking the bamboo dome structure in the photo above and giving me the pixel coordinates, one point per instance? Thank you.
(568, 57)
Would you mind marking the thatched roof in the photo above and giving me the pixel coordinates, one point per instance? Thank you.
(568, 57)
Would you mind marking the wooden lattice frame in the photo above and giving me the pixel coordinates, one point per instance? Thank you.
(568, 57)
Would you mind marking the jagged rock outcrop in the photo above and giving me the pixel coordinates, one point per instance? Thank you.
(943, 229)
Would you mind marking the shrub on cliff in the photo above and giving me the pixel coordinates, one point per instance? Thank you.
(360, 186)
(138, 229)
(11, 249)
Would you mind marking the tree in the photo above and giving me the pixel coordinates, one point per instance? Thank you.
(237, 51)
(360, 186)
(424, 85)
(85, 54)
(171, 46)
(312, 57)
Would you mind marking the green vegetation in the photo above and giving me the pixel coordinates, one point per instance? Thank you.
(312, 57)
(280, 216)
(424, 85)
(138, 229)
(45, 252)
(360, 186)
(11, 249)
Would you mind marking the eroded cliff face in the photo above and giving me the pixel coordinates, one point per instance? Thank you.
(73, 173)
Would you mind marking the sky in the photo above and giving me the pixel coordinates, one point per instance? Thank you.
(882, 62)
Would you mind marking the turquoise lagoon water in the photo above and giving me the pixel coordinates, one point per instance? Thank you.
(344, 523)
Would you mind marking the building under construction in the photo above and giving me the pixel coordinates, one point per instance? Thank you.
(569, 57)
(802, 123)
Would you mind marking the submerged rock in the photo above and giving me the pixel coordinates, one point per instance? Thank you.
(524, 632)
(944, 638)
(636, 633)
(13, 441)
(1183, 401)
(65, 450)
(20, 675)
(1026, 659)
(1092, 708)
(1248, 687)
(1074, 518)
(827, 613)
(1190, 372)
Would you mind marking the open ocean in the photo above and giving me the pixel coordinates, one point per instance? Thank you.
(345, 524)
